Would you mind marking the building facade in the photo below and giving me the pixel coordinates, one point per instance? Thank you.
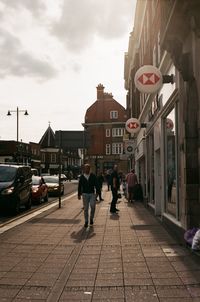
(105, 127)
(166, 34)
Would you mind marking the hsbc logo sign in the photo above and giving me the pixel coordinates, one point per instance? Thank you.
(148, 79)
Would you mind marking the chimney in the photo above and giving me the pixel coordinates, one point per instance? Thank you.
(100, 92)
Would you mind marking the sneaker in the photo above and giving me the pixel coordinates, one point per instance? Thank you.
(86, 224)
(91, 222)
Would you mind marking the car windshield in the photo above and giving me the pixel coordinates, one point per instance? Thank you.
(7, 173)
(35, 180)
(51, 179)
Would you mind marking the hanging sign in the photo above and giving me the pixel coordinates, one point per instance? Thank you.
(148, 79)
(129, 147)
(133, 125)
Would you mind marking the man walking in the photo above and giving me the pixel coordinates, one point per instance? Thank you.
(87, 188)
(115, 185)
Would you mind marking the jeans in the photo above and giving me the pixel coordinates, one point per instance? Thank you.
(114, 200)
(89, 199)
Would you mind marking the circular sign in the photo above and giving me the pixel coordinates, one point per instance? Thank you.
(148, 79)
(129, 149)
(133, 125)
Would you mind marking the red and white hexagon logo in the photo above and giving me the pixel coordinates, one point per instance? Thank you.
(148, 79)
(133, 125)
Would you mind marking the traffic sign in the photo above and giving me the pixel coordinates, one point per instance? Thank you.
(148, 79)
(133, 125)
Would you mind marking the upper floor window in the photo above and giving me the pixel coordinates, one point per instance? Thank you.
(43, 157)
(107, 132)
(117, 148)
(113, 114)
(107, 149)
(53, 158)
(118, 132)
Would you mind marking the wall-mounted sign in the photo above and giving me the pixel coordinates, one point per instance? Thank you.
(133, 125)
(148, 79)
(129, 146)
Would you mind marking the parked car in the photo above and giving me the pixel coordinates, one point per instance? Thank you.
(34, 171)
(53, 185)
(15, 187)
(63, 177)
(39, 190)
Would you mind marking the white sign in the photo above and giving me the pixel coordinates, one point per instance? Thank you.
(148, 79)
(133, 125)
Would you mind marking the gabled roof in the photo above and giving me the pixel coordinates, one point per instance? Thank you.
(48, 139)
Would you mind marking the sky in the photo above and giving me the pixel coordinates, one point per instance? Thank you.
(53, 55)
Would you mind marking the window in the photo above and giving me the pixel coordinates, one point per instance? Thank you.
(117, 148)
(107, 149)
(43, 157)
(118, 132)
(171, 164)
(107, 132)
(113, 114)
(53, 158)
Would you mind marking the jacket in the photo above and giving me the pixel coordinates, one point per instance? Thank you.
(87, 185)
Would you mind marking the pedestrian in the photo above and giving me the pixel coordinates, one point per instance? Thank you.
(115, 185)
(131, 180)
(100, 180)
(87, 188)
(107, 177)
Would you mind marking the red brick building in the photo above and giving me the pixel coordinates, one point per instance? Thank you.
(105, 126)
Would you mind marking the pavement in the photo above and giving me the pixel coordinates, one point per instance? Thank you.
(126, 257)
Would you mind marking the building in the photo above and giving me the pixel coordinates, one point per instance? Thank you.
(50, 156)
(15, 152)
(73, 144)
(105, 127)
(166, 34)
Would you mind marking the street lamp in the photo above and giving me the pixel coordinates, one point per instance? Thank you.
(17, 111)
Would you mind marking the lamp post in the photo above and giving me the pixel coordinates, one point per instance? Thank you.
(17, 111)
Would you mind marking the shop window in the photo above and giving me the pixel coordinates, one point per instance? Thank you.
(171, 164)
(150, 169)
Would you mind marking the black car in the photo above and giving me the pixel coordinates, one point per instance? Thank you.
(15, 187)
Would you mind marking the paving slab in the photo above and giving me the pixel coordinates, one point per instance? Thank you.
(126, 257)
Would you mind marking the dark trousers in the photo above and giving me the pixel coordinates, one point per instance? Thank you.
(114, 200)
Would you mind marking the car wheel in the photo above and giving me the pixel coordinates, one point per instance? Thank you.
(16, 209)
(46, 198)
(28, 204)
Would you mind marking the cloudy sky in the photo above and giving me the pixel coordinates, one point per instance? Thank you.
(53, 54)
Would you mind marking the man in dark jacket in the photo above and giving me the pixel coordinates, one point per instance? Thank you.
(115, 185)
(87, 188)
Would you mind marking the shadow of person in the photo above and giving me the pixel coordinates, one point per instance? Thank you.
(83, 234)
(80, 235)
(114, 216)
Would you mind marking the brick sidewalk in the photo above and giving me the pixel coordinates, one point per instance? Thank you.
(126, 257)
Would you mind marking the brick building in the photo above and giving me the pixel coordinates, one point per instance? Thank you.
(105, 126)
(166, 34)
